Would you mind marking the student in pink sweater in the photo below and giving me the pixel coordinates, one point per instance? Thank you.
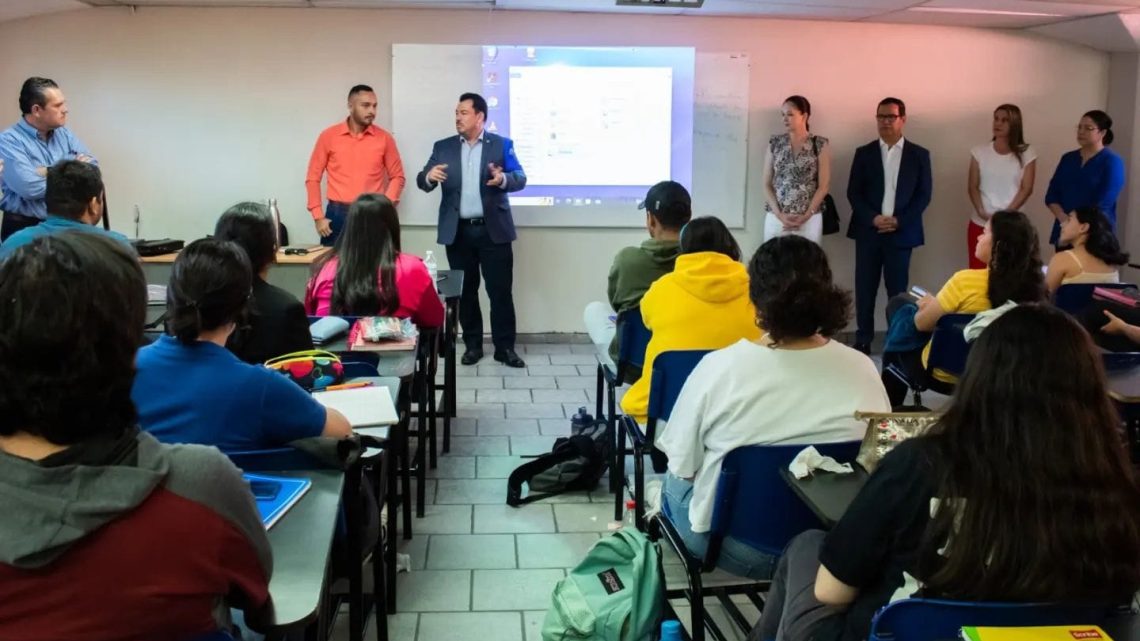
(365, 274)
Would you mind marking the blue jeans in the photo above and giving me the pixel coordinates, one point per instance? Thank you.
(735, 557)
(336, 212)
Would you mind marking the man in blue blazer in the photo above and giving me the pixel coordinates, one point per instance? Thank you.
(889, 189)
(477, 170)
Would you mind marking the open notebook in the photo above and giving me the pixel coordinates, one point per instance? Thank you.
(362, 406)
(274, 495)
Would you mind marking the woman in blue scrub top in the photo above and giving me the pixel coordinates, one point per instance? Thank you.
(1091, 176)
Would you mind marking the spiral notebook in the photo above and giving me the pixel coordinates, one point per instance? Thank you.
(275, 495)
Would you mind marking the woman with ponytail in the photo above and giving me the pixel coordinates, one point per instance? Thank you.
(190, 389)
(1095, 256)
(1091, 176)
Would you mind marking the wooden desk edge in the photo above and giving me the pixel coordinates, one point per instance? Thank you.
(282, 258)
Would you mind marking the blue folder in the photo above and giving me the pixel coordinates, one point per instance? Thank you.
(274, 495)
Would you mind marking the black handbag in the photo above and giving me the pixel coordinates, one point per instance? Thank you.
(827, 208)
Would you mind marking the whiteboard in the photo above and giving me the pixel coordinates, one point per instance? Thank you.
(428, 79)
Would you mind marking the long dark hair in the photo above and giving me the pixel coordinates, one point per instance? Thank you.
(369, 244)
(1016, 130)
(1101, 241)
(789, 282)
(1015, 260)
(708, 234)
(210, 285)
(1043, 504)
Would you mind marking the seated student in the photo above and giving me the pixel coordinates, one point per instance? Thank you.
(1095, 256)
(1009, 246)
(793, 385)
(74, 199)
(1014, 495)
(277, 323)
(366, 274)
(191, 389)
(667, 208)
(702, 304)
(107, 534)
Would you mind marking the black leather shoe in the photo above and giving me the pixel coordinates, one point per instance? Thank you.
(863, 347)
(471, 356)
(509, 358)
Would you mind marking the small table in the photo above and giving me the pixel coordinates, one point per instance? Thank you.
(291, 273)
(827, 494)
(302, 544)
(1124, 389)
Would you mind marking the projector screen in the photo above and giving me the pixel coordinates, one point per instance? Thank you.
(593, 127)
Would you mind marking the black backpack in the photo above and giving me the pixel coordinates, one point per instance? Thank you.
(575, 463)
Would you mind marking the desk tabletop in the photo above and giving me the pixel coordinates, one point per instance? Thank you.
(449, 283)
(315, 252)
(826, 493)
(1124, 385)
(302, 544)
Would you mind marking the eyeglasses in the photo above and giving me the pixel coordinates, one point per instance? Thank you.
(887, 117)
(1088, 128)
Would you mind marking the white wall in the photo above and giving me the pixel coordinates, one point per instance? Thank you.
(1124, 81)
(191, 110)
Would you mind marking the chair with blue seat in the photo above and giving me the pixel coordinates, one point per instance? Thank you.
(755, 506)
(670, 371)
(1075, 298)
(941, 620)
(948, 353)
(633, 339)
(348, 455)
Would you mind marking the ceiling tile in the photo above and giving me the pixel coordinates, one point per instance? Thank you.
(13, 9)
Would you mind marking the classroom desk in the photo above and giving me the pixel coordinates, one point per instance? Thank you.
(1124, 388)
(302, 544)
(826, 493)
(291, 273)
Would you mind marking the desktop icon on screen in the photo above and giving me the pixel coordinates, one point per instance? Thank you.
(492, 102)
(491, 52)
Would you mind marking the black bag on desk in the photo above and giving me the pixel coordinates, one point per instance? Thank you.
(575, 463)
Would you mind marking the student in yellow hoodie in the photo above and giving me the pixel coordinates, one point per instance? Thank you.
(702, 304)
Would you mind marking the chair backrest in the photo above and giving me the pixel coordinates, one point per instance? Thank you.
(939, 620)
(1074, 298)
(220, 635)
(948, 346)
(670, 371)
(634, 339)
(276, 459)
(358, 369)
(755, 506)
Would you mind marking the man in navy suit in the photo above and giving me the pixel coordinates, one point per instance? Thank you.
(477, 170)
(889, 189)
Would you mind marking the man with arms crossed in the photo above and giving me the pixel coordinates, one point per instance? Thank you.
(37, 141)
(889, 189)
(477, 169)
(359, 158)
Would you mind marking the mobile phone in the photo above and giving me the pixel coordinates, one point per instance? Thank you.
(264, 490)
(296, 251)
(918, 292)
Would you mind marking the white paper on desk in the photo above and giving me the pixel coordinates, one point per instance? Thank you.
(362, 406)
(809, 459)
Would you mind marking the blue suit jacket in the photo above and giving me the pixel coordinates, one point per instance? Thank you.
(912, 194)
(496, 207)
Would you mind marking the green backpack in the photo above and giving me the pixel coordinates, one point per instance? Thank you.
(616, 593)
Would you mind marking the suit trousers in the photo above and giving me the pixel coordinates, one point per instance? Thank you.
(472, 251)
(877, 258)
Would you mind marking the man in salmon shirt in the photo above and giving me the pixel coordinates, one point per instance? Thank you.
(359, 158)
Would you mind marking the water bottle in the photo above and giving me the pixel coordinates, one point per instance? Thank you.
(580, 421)
(631, 516)
(429, 262)
(671, 630)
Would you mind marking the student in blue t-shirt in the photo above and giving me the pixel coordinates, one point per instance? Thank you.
(74, 199)
(190, 389)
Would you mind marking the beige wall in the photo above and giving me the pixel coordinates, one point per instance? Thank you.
(191, 110)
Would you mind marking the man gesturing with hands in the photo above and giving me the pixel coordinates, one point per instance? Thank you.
(477, 170)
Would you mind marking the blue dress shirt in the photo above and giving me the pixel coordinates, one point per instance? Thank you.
(54, 225)
(1097, 183)
(23, 151)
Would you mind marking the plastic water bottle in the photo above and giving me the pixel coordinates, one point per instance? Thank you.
(429, 262)
(580, 421)
(631, 516)
(671, 631)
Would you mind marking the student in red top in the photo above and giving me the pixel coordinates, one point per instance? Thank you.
(107, 534)
(359, 158)
(366, 274)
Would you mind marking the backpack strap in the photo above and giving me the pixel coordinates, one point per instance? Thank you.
(524, 472)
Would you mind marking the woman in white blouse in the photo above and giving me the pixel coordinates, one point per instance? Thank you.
(1001, 174)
